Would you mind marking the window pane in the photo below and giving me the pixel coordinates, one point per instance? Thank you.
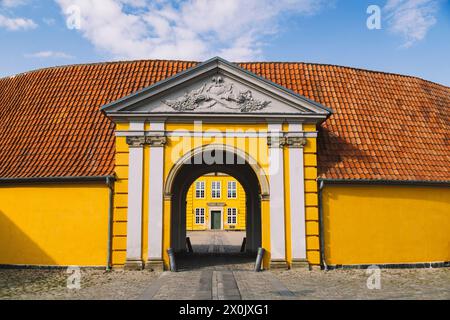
(215, 189)
(231, 215)
(232, 192)
(200, 189)
(199, 216)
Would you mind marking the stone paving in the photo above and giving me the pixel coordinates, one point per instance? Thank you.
(217, 271)
(33, 284)
(216, 241)
(410, 284)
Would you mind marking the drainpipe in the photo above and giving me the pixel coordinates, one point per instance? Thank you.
(110, 183)
(323, 262)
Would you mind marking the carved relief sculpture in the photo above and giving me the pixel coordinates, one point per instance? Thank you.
(217, 92)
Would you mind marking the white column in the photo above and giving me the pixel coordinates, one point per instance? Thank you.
(297, 197)
(156, 141)
(135, 185)
(276, 176)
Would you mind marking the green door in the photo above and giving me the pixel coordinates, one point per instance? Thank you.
(215, 220)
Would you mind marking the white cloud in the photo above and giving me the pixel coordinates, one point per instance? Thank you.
(15, 24)
(411, 19)
(183, 29)
(49, 54)
(12, 3)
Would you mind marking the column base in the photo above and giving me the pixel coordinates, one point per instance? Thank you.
(278, 264)
(300, 264)
(133, 265)
(154, 265)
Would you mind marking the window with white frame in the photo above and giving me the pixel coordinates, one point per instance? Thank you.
(232, 190)
(232, 216)
(200, 189)
(199, 215)
(215, 190)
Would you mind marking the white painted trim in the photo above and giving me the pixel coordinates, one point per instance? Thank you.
(157, 126)
(212, 134)
(135, 185)
(297, 199)
(130, 133)
(235, 189)
(137, 125)
(220, 189)
(195, 217)
(156, 199)
(276, 178)
(216, 117)
(204, 189)
(237, 217)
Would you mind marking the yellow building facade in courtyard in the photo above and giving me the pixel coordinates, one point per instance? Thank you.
(216, 201)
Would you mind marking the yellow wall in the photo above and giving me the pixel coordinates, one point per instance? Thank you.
(386, 224)
(177, 147)
(193, 203)
(120, 213)
(54, 224)
(311, 198)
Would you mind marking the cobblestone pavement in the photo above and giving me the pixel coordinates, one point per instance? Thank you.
(33, 284)
(352, 284)
(218, 271)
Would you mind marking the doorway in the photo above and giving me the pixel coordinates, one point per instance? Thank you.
(216, 220)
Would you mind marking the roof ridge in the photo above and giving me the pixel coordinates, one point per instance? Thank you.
(63, 66)
(348, 67)
(240, 63)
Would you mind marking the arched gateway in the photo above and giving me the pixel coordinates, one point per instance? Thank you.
(225, 159)
(216, 117)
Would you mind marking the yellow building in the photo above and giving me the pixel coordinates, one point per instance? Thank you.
(215, 201)
(339, 166)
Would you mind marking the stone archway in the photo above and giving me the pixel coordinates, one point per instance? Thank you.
(153, 122)
(235, 163)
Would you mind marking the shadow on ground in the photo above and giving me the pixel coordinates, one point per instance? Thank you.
(196, 261)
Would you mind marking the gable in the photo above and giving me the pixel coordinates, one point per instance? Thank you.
(218, 94)
(216, 87)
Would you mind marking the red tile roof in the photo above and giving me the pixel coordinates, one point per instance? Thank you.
(385, 126)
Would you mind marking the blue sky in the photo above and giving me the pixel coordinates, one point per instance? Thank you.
(414, 38)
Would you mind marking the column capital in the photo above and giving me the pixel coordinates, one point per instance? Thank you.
(156, 140)
(276, 141)
(152, 141)
(290, 142)
(295, 142)
(167, 197)
(136, 141)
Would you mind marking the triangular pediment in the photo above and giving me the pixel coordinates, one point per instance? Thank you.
(216, 88)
